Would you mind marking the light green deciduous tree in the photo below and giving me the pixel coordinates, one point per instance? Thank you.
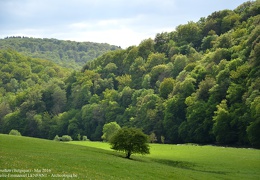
(109, 130)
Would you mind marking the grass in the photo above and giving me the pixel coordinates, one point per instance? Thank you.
(95, 160)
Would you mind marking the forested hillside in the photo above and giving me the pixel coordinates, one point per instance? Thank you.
(198, 84)
(68, 54)
(30, 89)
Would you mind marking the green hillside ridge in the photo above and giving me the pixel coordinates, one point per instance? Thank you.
(197, 84)
(68, 54)
(49, 159)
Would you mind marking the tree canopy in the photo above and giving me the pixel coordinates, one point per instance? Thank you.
(109, 130)
(68, 54)
(186, 89)
(130, 141)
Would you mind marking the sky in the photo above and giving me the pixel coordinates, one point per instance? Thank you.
(117, 22)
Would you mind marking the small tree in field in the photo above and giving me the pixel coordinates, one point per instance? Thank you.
(130, 141)
(15, 132)
(152, 137)
(66, 138)
(57, 138)
(85, 138)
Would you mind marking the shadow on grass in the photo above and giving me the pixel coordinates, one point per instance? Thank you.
(123, 156)
(177, 164)
(110, 153)
(186, 165)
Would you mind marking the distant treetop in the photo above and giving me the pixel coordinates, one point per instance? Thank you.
(68, 54)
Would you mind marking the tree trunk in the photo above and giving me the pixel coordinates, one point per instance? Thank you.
(128, 154)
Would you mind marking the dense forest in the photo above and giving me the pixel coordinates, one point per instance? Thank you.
(68, 54)
(197, 84)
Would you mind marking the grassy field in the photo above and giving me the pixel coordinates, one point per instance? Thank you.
(31, 157)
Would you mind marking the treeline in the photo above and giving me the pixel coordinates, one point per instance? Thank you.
(197, 84)
(68, 54)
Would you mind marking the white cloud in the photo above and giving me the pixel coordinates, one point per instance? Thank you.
(123, 37)
(118, 22)
(109, 22)
(80, 25)
(112, 31)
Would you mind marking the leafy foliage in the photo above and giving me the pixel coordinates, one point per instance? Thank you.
(14, 132)
(57, 138)
(68, 54)
(66, 138)
(202, 89)
(109, 130)
(130, 141)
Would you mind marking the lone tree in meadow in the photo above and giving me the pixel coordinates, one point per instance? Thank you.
(130, 141)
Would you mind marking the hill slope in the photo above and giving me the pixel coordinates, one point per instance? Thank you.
(28, 87)
(197, 84)
(68, 54)
(44, 158)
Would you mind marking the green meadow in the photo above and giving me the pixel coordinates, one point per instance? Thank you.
(26, 158)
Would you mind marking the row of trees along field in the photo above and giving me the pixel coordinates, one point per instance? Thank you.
(197, 84)
(68, 54)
